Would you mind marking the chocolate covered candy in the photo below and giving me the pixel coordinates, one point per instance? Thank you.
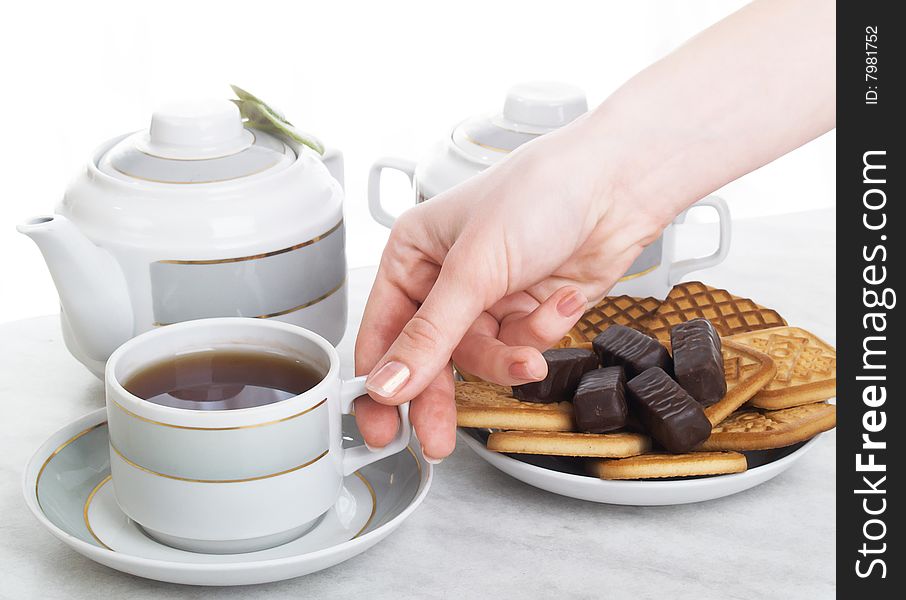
(697, 363)
(631, 349)
(671, 416)
(600, 401)
(565, 367)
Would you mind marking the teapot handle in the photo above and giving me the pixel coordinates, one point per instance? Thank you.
(380, 214)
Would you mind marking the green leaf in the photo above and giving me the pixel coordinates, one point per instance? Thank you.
(261, 116)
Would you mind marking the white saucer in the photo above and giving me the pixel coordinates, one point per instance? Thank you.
(67, 487)
(565, 477)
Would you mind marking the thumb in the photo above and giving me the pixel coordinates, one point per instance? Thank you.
(426, 342)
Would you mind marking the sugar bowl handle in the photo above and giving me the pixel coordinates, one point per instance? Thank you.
(356, 458)
(684, 267)
(380, 214)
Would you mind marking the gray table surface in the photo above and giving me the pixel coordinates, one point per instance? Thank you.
(481, 534)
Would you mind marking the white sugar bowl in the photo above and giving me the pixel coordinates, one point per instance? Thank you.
(529, 111)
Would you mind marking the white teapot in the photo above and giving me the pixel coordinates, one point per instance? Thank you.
(529, 111)
(198, 216)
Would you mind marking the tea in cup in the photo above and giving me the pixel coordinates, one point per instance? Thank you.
(225, 434)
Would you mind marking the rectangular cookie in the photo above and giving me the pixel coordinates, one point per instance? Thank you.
(490, 406)
(659, 465)
(806, 367)
(602, 445)
(763, 430)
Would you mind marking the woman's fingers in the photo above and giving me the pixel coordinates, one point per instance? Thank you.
(547, 324)
(426, 342)
(433, 415)
(387, 311)
(377, 422)
(480, 353)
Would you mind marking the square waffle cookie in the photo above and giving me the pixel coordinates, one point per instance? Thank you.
(728, 313)
(806, 367)
(612, 310)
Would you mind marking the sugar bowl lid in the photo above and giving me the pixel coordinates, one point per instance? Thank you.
(203, 141)
(530, 110)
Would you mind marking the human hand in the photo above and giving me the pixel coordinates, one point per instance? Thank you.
(498, 268)
(491, 273)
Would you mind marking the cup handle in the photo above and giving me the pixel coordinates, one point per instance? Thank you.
(378, 212)
(683, 267)
(356, 458)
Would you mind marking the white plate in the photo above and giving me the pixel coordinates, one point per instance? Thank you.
(65, 486)
(564, 477)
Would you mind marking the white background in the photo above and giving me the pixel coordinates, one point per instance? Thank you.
(374, 78)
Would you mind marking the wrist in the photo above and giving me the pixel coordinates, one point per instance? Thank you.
(620, 175)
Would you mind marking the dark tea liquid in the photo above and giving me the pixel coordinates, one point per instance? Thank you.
(223, 379)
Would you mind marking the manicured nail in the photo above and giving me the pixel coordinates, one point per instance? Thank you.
(571, 304)
(387, 380)
(521, 370)
(432, 461)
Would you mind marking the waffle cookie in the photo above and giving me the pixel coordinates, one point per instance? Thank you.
(657, 465)
(612, 310)
(806, 367)
(487, 405)
(763, 430)
(728, 313)
(600, 445)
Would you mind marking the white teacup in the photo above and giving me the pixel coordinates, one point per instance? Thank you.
(225, 481)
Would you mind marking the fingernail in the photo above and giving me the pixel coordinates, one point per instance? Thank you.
(571, 304)
(432, 461)
(387, 380)
(372, 448)
(520, 370)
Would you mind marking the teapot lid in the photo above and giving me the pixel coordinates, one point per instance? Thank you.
(195, 142)
(530, 110)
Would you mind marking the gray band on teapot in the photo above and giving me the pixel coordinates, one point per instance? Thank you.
(263, 285)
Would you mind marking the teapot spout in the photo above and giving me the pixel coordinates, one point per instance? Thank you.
(94, 298)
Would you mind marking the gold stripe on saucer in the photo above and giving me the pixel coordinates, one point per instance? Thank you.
(243, 480)
(219, 261)
(288, 310)
(373, 504)
(639, 274)
(418, 463)
(94, 491)
(57, 451)
(153, 422)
